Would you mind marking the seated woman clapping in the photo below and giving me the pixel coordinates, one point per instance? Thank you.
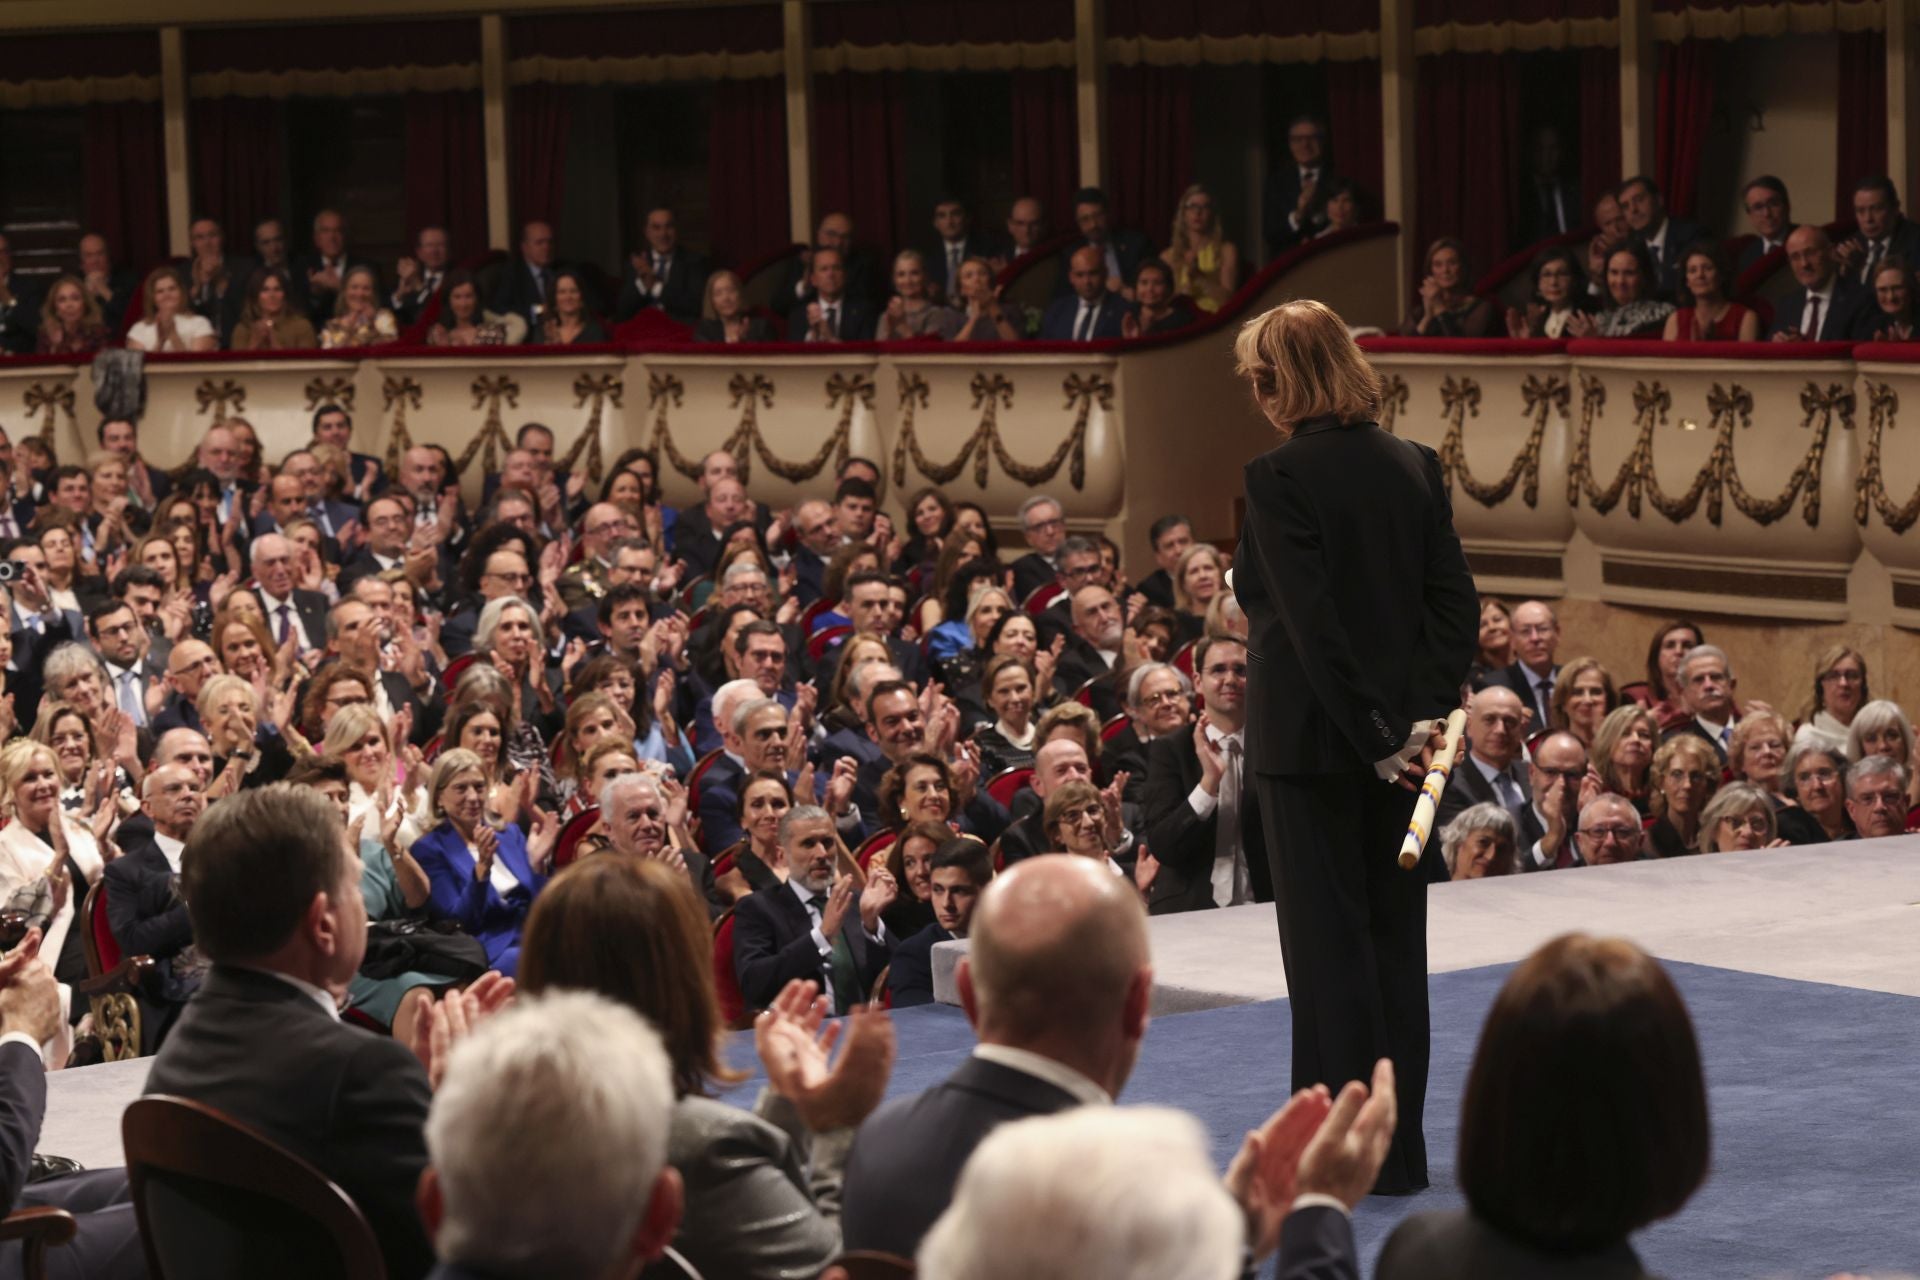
(358, 318)
(1891, 317)
(1709, 316)
(269, 320)
(464, 322)
(1632, 310)
(1559, 294)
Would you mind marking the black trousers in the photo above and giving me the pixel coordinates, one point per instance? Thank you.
(1353, 931)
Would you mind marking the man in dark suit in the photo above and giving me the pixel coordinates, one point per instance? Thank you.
(1536, 644)
(107, 1241)
(955, 240)
(216, 280)
(1095, 649)
(1159, 701)
(1665, 237)
(819, 538)
(959, 872)
(1497, 726)
(287, 502)
(353, 636)
(1365, 620)
(526, 282)
(290, 610)
(1550, 199)
(813, 927)
(324, 269)
(418, 277)
(119, 639)
(1883, 232)
(334, 425)
(1171, 536)
(1706, 692)
(1043, 523)
(1556, 766)
(111, 288)
(831, 313)
(273, 893)
(1826, 306)
(793, 286)
(1090, 312)
(190, 664)
(1770, 214)
(1294, 210)
(1203, 818)
(753, 738)
(663, 275)
(145, 911)
(270, 249)
(37, 627)
(1121, 252)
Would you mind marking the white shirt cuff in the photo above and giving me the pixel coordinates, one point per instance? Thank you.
(1201, 803)
(1395, 765)
(820, 942)
(21, 1037)
(1315, 1200)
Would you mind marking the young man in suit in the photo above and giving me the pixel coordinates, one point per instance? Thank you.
(1665, 237)
(959, 873)
(1770, 214)
(1090, 311)
(1170, 536)
(1121, 252)
(1825, 306)
(1203, 818)
(145, 911)
(119, 639)
(813, 926)
(663, 275)
(955, 240)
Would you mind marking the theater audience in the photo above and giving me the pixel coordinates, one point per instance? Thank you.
(1826, 306)
(270, 318)
(1817, 769)
(1706, 695)
(1769, 213)
(1202, 814)
(664, 274)
(1445, 307)
(1709, 315)
(1757, 755)
(1198, 579)
(1583, 697)
(1556, 298)
(1840, 690)
(167, 321)
(957, 872)
(1589, 1018)
(110, 287)
(1890, 315)
(1610, 831)
(484, 877)
(1480, 842)
(1026, 228)
(1877, 797)
(1534, 672)
(830, 313)
(1295, 205)
(1009, 740)
(70, 321)
(1342, 207)
(358, 318)
(1739, 817)
(1119, 252)
(1670, 643)
(1633, 308)
(724, 316)
(1556, 776)
(1206, 265)
(464, 323)
(1686, 773)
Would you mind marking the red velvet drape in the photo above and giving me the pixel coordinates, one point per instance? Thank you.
(539, 115)
(747, 170)
(1599, 124)
(860, 155)
(1685, 108)
(446, 178)
(237, 161)
(124, 172)
(1149, 146)
(1467, 149)
(1046, 139)
(1860, 117)
(1353, 120)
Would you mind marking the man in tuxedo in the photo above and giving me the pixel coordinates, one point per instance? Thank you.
(1170, 535)
(831, 314)
(106, 1244)
(119, 639)
(1159, 701)
(1091, 312)
(1826, 305)
(145, 911)
(1057, 985)
(111, 288)
(1556, 766)
(1120, 252)
(419, 277)
(273, 894)
(1536, 642)
(1293, 208)
(328, 264)
(1026, 228)
(1497, 723)
(1365, 627)
(816, 926)
(189, 666)
(334, 425)
(1666, 238)
(1203, 818)
(955, 240)
(958, 874)
(524, 285)
(1707, 685)
(1883, 232)
(291, 611)
(1043, 523)
(1770, 214)
(663, 275)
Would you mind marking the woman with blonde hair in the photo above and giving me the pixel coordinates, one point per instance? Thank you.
(1583, 697)
(1686, 773)
(70, 323)
(1739, 817)
(93, 787)
(1622, 754)
(358, 318)
(167, 321)
(911, 311)
(724, 316)
(48, 859)
(230, 716)
(1349, 567)
(484, 877)
(1205, 264)
(1197, 579)
(379, 778)
(1840, 690)
(1881, 728)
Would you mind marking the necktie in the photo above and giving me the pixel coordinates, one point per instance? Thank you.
(1081, 330)
(1508, 791)
(1813, 319)
(1726, 734)
(660, 270)
(318, 514)
(129, 698)
(833, 320)
(1230, 883)
(286, 623)
(1546, 701)
(1874, 251)
(841, 978)
(953, 268)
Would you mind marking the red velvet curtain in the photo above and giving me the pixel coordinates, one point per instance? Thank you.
(1353, 120)
(1599, 124)
(747, 170)
(124, 175)
(1046, 139)
(1466, 153)
(1861, 116)
(1149, 146)
(1684, 110)
(446, 178)
(537, 151)
(237, 160)
(860, 155)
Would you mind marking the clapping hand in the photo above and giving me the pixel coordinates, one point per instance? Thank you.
(1345, 1156)
(880, 893)
(452, 1017)
(1264, 1174)
(29, 996)
(485, 844)
(795, 1041)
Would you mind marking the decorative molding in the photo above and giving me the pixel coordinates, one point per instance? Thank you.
(1870, 488)
(50, 400)
(336, 390)
(1693, 581)
(398, 394)
(493, 438)
(664, 389)
(993, 392)
(225, 399)
(599, 388)
(1461, 398)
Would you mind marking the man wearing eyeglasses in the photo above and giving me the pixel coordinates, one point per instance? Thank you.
(1610, 831)
(1044, 524)
(1496, 729)
(588, 580)
(504, 574)
(1555, 769)
(1877, 797)
(1536, 644)
(1079, 566)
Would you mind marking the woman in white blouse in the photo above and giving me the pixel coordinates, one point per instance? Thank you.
(377, 773)
(167, 323)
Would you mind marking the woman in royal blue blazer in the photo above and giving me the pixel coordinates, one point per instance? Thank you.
(482, 878)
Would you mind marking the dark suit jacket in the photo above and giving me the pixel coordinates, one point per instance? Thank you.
(1129, 247)
(1541, 217)
(1062, 314)
(681, 296)
(318, 302)
(1025, 837)
(1679, 236)
(177, 713)
(864, 281)
(1467, 786)
(146, 916)
(1903, 242)
(978, 243)
(1837, 321)
(517, 293)
(1514, 677)
(310, 605)
(910, 975)
(1031, 572)
(1454, 1245)
(1124, 752)
(1157, 587)
(1183, 841)
(1692, 727)
(773, 945)
(719, 798)
(30, 650)
(1751, 251)
(1283, 197)
(350, 1102)
(858, 318)
(759, 329)
(1363, 616)
(908, 1155)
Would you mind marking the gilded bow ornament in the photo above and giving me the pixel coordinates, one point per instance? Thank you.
(1870, 490)
(49, 399)
(601, 389)
(490, 392)
(338, 391)
(398, 394)
(1540, 397)
(223, 398)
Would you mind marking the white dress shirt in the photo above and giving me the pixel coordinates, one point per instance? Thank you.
(1814, 313)
(272, 605)
(1198, 800)
(313, 993)
(1040, 1067)
(170, 849)
(1086, 319)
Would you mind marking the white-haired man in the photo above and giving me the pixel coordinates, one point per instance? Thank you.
(1707, 684)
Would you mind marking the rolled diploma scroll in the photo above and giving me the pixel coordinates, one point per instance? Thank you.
(1421, 824)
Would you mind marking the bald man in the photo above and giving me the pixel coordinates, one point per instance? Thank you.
(1091, 312)
(144, 911)
(1057, 985)
(1826, 305)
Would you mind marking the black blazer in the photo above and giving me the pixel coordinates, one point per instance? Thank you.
(1679, 236)
(758, 330)
(1031, 572)
(910, 975)
(1124, 752)
(1130, 248)
(773, 944)
(1157, 587)
(1283, 197)
(1514, 677)
(312, 608)
(1837, 321)
(681, 297)
(1691, 726)
(146, 916)
(908, 1155)
(352, 1103)
(1467, 786)
(1454, 1245)
(1362, 613)
(858, 318)
(1183, 841)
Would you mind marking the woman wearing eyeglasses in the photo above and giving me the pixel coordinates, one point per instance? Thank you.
(1839, 690)
(1686, 773)
(1738, 818)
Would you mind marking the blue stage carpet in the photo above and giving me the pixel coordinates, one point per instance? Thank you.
(1816, 1130)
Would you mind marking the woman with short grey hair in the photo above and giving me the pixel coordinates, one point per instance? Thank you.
(1480, 842)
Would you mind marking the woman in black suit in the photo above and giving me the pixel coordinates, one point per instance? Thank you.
(724, 318)
(1585, 1119)
(1363, 621)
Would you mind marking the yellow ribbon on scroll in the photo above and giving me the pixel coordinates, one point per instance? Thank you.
(1421, 824)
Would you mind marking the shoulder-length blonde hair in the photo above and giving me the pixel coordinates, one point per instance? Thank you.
(1179, 238)
(1303, 364)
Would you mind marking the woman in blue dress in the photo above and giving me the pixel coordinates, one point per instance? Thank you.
(486, 879)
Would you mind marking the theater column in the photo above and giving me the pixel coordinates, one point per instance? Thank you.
(1398, 74)
(493, 121)
(1903, 98)
(797, 63)
(1090, 88)
(1639, 68)
(173, 116)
